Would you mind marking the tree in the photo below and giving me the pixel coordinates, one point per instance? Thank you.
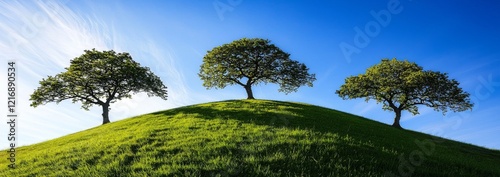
(99, 78)
(248, 62)
(403, 85)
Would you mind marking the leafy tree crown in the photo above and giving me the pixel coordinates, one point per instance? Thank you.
(252, 61)
(99, 78)
(403, 85)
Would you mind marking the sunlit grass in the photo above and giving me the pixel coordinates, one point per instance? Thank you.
(248, 138)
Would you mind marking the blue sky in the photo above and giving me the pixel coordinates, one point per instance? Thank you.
(171, 37)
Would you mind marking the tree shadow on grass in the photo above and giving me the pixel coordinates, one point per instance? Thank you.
(282, 114)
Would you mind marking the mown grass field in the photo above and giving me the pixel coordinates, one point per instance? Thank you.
(251, 138)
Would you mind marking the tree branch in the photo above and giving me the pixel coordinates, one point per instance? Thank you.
(236, 81)
(91, 94)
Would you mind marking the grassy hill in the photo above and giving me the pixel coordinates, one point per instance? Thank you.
(251, 138)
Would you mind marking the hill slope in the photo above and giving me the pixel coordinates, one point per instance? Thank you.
(251, 138)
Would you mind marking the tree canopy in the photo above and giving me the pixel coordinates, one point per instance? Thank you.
(403, 85)
(99, 78)
(248, 62)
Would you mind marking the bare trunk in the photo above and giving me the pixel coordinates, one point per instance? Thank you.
(248, 88)
(105, 113)
(397, 118)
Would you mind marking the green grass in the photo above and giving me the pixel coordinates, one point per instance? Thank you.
(250, 138)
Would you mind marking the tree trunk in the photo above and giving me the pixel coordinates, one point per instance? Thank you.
(248, 88)
(397, 118)
(105, 113)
